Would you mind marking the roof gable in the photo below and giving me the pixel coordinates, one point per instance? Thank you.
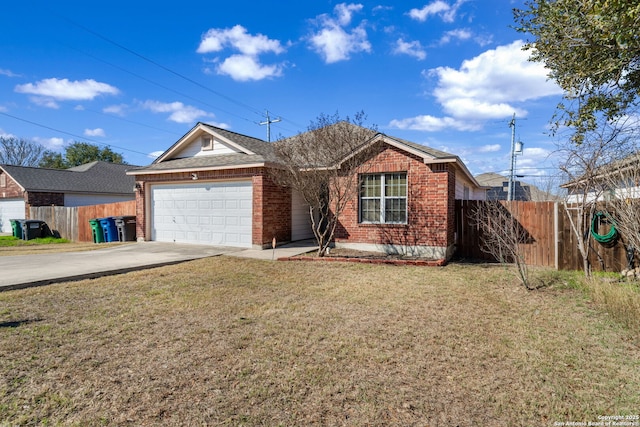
(208, 140)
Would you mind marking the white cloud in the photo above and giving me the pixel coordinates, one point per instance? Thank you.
(118, 110)
(413, 48)
(494, 79)
(8, 73)
(429, 123)
(333, 42)
(155, 154)
(490, 148)
(489, 86)
(237, 38)
(459, 34)
(50, 143)
(244, 66)
(345, 12)
(179, 112)
(441, 8)
(94, 132)
(65, 90)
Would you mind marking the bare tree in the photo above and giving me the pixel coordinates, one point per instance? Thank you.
(322, 166)
(622, 180)
(586, 168)
(502, 235)
(20, 152)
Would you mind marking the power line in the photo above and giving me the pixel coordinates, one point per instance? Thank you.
(71, 134)
(167, 69)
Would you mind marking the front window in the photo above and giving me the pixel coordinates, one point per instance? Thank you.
(383, 198)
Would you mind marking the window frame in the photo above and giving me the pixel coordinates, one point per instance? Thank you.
(206, 142)
(382, 198)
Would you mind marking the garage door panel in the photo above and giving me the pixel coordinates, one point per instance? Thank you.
(204, 213)
(10, 209)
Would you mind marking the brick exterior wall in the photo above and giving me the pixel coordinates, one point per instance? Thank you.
(430, 205)
(271, 203)
(12, 190)
(271, 212)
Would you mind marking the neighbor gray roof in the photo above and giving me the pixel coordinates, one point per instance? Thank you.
(95, 177)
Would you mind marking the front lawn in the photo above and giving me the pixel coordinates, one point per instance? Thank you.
(9, 241)
(230, 341)
(10, 245)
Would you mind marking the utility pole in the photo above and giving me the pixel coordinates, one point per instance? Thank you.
(512, 125)
(268, 123)
(516, 148)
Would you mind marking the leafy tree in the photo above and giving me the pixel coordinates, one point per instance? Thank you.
(592, 50)
(80, 153)
(322, 165)
(20, 152)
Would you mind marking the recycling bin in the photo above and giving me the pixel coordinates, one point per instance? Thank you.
(16, 226)
(33, 229)
(96, 230)
(109, 229)
(126, 226)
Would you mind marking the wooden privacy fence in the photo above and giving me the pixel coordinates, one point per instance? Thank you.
(552, 244)
(73, 222)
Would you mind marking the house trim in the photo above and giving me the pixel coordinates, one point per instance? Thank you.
(196, 169)
(188, 137)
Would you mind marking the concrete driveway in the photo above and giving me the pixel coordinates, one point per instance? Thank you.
(23, 271)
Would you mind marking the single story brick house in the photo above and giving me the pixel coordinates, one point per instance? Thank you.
(89, 184)
(213, 187)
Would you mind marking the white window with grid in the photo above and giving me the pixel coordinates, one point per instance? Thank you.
(383, 198)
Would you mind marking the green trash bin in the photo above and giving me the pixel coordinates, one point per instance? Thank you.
(96, 230)
(16, 226)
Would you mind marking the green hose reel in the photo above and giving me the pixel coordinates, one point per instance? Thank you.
(611, 236)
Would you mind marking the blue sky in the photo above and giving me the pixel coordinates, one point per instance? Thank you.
(137, 75)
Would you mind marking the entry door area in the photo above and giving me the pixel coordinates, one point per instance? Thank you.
(209, 213)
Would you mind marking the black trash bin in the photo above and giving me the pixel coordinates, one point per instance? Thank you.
(33, 229)
(126, 226)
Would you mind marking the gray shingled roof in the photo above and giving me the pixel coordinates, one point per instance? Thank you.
(438, 154)
(264, 153)
(95, 177)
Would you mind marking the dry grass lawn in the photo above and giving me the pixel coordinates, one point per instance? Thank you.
(226, 341)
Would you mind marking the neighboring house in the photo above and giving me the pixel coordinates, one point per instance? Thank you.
(498, 185)
(89, 184)
(618, 179)
(213, 187)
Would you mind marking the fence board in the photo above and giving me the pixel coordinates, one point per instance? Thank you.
(538, 218)
(73, 222)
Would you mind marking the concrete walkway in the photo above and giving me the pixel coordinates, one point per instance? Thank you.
(23, 271)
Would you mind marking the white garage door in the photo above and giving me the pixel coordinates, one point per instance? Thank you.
(10, 209)
(214, 213)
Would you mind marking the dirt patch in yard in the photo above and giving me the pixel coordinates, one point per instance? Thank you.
(230, 341)
(368, 257)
